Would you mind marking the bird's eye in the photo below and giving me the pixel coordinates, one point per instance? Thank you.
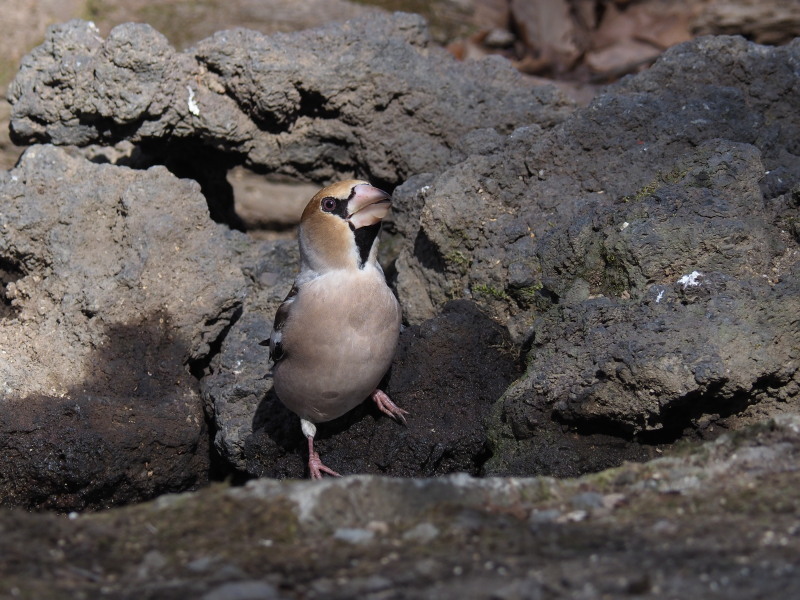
(329, 204)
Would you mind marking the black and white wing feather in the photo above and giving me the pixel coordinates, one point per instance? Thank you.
(275, 345)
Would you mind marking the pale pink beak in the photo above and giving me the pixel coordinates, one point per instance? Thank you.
(368, 206)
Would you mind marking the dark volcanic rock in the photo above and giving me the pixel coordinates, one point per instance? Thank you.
(448, 373)
(238, 379)
(474, 229)
(682, 297)
(677, 308)
(119, 282)
(371, 96)
(576, 238)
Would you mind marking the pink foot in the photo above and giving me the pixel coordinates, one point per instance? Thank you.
(388, 407)
(315, 466)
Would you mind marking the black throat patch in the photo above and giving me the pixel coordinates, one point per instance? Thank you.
(365, 237)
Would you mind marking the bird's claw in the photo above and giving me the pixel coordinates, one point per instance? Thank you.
(316, 468)
(387, 407)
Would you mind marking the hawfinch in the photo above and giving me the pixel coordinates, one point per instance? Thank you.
(335, 334)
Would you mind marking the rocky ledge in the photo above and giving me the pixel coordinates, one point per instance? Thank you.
(719, 521)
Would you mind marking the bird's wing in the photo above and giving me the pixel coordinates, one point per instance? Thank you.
(275, 345)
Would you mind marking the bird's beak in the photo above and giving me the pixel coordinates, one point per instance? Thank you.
(368, 206)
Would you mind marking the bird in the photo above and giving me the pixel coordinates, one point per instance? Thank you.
(335, 334)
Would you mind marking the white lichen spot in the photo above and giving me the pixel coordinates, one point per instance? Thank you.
(193, 108)
(660, 296)
(422, 533)
(690, 280)
(624, 226)
(424, 189)
(353, 535)
(576, 516)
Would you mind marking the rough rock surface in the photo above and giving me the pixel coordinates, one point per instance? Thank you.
(719, 522)
(476, 227)
(578, 236)
(236, 380)
(115, 281)
(661, 352)
(370, 97)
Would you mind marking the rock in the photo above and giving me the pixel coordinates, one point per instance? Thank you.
(474, 229)
(116, 281)
(580, 228)
(448, 372)
(763, 21)
(371, 97)
(243, 590)
(548, 29)
(237, 379)
(718, 517)
(669, 348)
(274, 206)
(21, 28)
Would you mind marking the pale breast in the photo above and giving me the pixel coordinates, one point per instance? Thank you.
(339, 341)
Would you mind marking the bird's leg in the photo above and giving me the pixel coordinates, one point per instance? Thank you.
(315, 466)
(386, 406)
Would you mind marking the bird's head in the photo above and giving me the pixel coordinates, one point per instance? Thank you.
(340, 226)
